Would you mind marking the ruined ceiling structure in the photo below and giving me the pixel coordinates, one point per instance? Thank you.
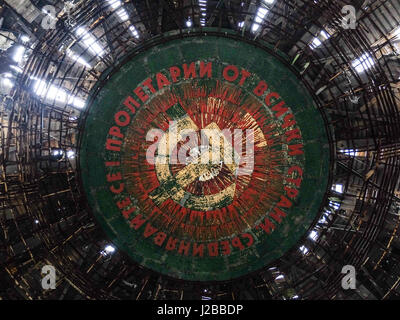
(352, 75)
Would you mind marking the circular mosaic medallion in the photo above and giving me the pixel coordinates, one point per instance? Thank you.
(204, 158)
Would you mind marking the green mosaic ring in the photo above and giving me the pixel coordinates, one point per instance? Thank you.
(204, 158)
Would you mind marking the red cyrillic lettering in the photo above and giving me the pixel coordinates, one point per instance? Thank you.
(115, 132)
(111, 177)
(162, 81)
(131, 103)
(260, 89)
(293, 134)
(171, 244)
(160, 238)
(149, 230)
(123, 114)
(225, 248)
(184, 248)
(205, 69)
(233, 77)
(198, 249)
(277, 215)
(137, 222)
(140, 93)
(213, 249)
(245, 75)
(124, 203)
(267, 226)
(296, 149)
(189, 71)
(113, 145)
(250, 237)
(237, 243)
(175, 72)
(285, 202)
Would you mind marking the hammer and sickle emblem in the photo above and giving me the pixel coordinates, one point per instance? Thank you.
(174, 186)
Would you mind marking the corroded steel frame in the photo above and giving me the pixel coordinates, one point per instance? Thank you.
(362, 115)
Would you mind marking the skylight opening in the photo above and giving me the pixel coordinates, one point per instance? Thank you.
(255, 27)
(122, 14)
(51, 92)
(313, 235)
(24, 38)
(6, 82)
(262, 12)
(71, 154)
(337, 188)
(203, 9)
(317, 41)
(115, 3)
(334, 205)
(363, 63)
(323, 220)
(108, 250)
(134, 32)
(54, 93)
(90, 42)
(260, 15)
(16, 68)
(76, 102)
(325, 35)
(304, 250)
(18, 54)
(57, 153)
(325, 216)
(78, 58)
(349, 152)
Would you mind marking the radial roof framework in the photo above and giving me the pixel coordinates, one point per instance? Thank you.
(54, 67)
